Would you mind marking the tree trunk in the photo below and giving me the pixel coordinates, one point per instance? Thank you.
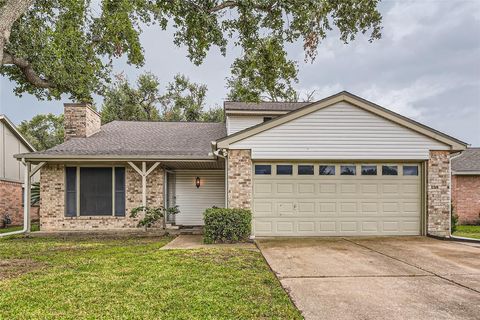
(9, 13)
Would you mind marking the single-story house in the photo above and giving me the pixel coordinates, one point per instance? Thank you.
(338, 166)
(12, 173)
(466, 186)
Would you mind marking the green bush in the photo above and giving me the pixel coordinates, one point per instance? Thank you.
(453, 220)
(226, 225)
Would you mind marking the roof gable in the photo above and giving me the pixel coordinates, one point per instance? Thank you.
(9, 124)
(356, 101)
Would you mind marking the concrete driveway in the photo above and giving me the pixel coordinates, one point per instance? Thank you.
(378, 278)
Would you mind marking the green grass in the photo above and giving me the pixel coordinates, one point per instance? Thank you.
(133, 279)
(35, 227)
(468, 232)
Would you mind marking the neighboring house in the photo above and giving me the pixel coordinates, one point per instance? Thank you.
(338, 166)
(466, 186)
(12, 172)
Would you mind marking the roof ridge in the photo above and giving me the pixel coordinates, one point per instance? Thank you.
(162, 121)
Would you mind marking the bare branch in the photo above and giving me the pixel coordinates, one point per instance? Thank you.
(27, 70)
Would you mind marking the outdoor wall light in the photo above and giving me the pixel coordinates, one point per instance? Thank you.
(197, 182)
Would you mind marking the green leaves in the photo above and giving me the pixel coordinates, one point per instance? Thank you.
(226, 225)
(182, 101)
(68, 46)
(43, 131)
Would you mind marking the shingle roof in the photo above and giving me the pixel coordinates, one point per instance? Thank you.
(263, 106)
(135, 138)
(467, 161)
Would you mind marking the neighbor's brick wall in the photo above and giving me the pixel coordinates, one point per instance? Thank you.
(11, 203)
(80, 120)
(239, 179)
(466, 198)
(438, 194)
(52, 208)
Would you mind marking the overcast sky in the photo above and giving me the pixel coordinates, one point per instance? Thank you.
(426, 66)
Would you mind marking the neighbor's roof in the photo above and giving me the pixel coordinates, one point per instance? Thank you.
(346, 96)
(4, 119)
(263, 106)
(468, 162)
(137, 139)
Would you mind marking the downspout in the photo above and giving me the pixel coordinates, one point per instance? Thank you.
(219, 153)
(26, 205)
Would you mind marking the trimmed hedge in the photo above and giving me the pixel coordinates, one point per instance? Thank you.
(226, 225)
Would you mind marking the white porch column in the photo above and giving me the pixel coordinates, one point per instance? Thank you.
(144, 173)
(26, 196)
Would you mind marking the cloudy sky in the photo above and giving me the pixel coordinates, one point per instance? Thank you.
(426, 66)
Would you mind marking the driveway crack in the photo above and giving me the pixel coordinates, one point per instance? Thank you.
(412, 265)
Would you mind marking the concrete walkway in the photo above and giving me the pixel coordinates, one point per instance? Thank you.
(378, 278)
(196, 242)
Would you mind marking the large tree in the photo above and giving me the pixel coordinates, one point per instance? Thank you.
(51, 47)
(124, 102)
(181, 100)
(43, 131)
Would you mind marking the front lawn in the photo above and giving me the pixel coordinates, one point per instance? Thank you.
(35, 227)
(468, 232)
(46, 278)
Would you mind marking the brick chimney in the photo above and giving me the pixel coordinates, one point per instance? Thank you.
(80, 120)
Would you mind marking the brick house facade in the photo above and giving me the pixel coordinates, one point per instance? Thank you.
(11, 203)
(154, 154)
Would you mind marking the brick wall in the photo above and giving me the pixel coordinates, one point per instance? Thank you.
(239, 179)
(52, 208)
(11, 203)
(80, 120)
(466, 198)
(438, 194)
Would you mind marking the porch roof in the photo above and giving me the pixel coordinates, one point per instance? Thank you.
(139, 140)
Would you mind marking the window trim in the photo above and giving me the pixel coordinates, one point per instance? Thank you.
(327, 165)
(283, 174)
(368, 165)
(77, 193)
(261, 174)
(305, 165)
(410, 175)
(348, 165)
(391, 165)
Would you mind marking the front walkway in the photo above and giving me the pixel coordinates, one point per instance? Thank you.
(196, 242)
(378, 278)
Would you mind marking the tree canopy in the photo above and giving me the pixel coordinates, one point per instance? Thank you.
(181, 100)
(54, 47)
(43, 131)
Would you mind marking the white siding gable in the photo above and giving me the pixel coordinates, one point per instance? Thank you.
(238, 123)
(340, 131)
(10, 168)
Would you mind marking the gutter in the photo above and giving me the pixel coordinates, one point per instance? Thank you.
(26, 206)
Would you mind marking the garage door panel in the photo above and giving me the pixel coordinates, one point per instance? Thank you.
(315, 205)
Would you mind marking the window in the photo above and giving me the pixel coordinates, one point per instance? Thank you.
(263, 169)
(389, 170)
(71, 191)
(348, 170)
(327, 170)
(284, 169)
(265, 119)
(369, 170)
(410, 170)
(100, 191)
(305, 169)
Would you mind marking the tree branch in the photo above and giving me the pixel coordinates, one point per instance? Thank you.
(27, 70)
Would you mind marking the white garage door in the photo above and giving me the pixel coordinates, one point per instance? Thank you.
(297, 199)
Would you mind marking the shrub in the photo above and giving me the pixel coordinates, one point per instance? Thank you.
(226, 225)
(454, 220)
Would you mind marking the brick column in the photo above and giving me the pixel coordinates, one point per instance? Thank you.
(239, 179)
(438, 194)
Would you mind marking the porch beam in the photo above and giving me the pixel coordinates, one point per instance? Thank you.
(27, 197)
(36, 168)
(144, 173)
(135, 168)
